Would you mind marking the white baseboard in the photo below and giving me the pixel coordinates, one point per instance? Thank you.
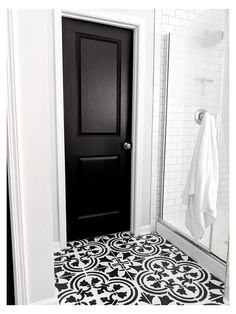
(56, 246)
(145, 229)
(49, 301)
(226, 301)
(209, 263)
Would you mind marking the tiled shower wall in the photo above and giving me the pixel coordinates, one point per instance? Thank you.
(189, 63)
(165, 22)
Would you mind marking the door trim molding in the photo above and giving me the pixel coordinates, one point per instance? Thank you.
(16, 212)
(138, 101)
(145, 229)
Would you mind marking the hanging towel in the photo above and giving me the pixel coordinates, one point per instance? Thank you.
(200, 193)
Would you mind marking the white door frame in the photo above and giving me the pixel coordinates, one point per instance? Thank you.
(16, 218)
(138, 102)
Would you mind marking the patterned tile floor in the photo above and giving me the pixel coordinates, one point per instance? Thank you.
(121, 269)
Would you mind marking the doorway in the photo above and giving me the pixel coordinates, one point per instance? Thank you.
(97, 79)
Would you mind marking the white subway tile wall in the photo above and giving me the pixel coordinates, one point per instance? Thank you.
(182, 129)
(165, 22)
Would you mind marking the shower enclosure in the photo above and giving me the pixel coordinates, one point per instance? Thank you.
(196, 77)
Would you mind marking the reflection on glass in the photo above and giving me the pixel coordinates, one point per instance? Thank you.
(197, 79)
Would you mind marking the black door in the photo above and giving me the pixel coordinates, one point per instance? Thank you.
(97, 70)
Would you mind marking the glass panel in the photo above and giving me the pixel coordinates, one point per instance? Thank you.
(196, 57)
(219, 245)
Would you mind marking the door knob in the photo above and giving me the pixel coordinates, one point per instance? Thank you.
(127, 146)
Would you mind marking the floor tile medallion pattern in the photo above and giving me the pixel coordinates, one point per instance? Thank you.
(122, 269)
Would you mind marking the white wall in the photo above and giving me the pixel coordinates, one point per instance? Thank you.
(33, 105)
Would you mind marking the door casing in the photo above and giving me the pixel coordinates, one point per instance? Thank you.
(138, 103)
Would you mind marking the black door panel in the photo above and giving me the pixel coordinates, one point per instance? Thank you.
(97, 72)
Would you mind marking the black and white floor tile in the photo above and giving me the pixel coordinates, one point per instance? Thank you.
(122, 269)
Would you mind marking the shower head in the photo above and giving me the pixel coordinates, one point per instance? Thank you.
(211, 38)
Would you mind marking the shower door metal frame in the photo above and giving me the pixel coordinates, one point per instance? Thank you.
(160, 219)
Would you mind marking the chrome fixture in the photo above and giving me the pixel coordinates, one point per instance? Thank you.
(127, 146)
(199, 114)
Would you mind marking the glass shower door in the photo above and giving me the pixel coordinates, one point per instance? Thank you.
(196, 79)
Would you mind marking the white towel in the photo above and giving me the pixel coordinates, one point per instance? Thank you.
(200, 193)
